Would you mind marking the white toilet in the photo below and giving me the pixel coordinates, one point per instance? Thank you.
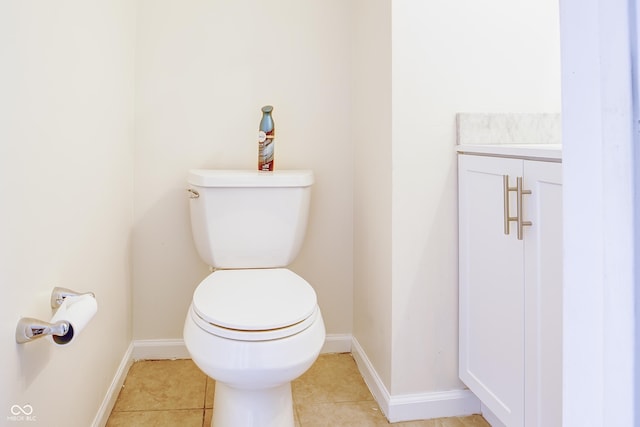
(253, 326)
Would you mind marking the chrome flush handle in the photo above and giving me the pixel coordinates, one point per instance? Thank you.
(193, 194)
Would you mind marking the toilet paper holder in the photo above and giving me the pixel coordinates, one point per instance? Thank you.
(29, 329)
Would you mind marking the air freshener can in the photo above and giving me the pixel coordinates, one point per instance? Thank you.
(266, 136)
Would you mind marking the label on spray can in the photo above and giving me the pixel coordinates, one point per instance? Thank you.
(266, 136)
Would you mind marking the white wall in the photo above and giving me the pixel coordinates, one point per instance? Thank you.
(66, 167)
(447, 57)
(371, 133)
(379, 79)
(203, 70)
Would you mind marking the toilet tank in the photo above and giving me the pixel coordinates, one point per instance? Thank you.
(249, 219)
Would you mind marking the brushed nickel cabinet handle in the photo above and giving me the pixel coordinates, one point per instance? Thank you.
(505, 191)
(520, 220)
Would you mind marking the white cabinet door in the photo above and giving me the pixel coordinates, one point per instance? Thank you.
(491, 288)
(511, 288)
(543, 294)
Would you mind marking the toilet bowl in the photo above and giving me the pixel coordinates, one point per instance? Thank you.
(255, 350)
(253, 326)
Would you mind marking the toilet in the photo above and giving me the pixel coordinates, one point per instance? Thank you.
(253, 325)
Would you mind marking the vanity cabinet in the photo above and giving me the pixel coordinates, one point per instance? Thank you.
(510, 272)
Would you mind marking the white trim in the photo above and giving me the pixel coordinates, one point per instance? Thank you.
(424, 406)
(415, 406)
(160, 349)
(490, 417)
(371, 377)
(397, 408)
(337, 343)
(109, 401)
(599, 212)
(166, 349)
(175, 348)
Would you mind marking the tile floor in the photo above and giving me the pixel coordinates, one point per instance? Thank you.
(331, 393)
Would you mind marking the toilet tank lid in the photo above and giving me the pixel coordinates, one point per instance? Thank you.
(250, 178)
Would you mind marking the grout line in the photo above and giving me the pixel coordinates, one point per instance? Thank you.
(298, 407)
(204, 398)
(296, 416)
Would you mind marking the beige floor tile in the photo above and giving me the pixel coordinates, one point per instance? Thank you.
(470, 421)
(296, 420)
(332, 393)
(421, 423)
(449, 422)
(209, 393)
(474, 421)
(162, 385)
(333, 378)
(173, 418)
(208, 414)
(346, 414)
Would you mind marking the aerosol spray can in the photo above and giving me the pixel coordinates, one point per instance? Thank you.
(266, 136)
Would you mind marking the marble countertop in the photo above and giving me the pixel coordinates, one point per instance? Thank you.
(508, 128)
(534, 136)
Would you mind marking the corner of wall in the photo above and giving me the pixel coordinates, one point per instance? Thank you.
(414, 406)
(111, 396)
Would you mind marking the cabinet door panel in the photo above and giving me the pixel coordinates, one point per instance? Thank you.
(491, 288)
(543, 295)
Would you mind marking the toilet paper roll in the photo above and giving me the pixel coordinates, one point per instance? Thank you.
(78, 311)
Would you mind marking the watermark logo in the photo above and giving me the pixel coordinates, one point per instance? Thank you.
(21, 413)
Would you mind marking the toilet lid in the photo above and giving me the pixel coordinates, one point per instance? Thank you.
(254, 300)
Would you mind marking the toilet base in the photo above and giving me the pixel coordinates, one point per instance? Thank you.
(253, 378)
(269, 407)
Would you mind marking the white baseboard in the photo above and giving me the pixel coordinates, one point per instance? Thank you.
(418, 406)
(337, 343)
(160, 350)
(491, 418)
(397, 408)
(113, 391)
(371, 377)
(175, 349)
(421, 406)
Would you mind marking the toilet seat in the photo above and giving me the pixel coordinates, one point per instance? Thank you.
(254, 304)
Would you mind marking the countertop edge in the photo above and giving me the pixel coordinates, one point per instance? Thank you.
(539, 152)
